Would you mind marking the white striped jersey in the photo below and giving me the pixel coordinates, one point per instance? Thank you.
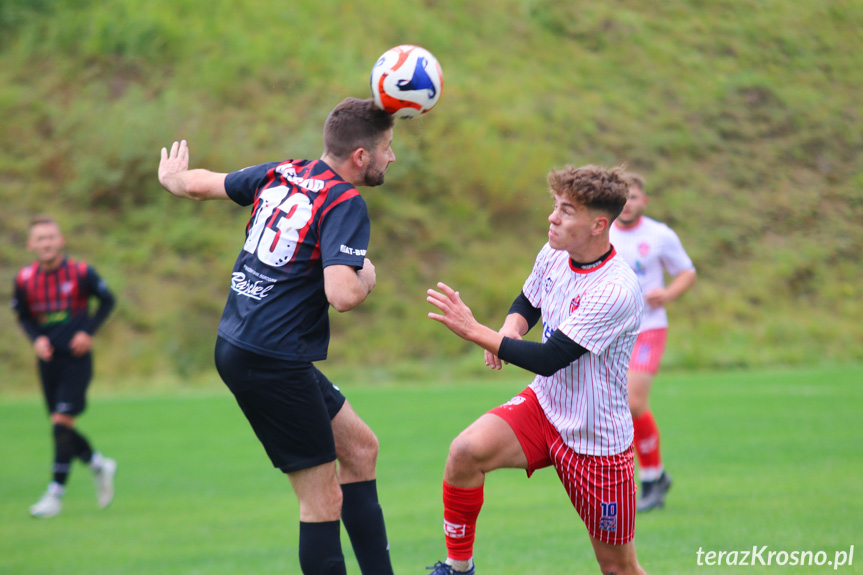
(600, 309)
(651, 248)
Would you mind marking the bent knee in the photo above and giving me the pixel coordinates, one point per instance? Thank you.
(365, 452)
(63, 419)
(463, 451)
(358, 461)
(614, 568)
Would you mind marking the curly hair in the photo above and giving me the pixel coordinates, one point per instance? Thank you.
(595, 187)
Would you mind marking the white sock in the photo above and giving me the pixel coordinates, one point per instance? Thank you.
(650, 473)
(56, 489)
(96, 461)
(460, 565)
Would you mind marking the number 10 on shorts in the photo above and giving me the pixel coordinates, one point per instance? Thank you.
(608, 520)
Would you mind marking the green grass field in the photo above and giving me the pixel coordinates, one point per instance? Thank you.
(759, 458)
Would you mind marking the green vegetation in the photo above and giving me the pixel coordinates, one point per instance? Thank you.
(758, 458)
(745, 117)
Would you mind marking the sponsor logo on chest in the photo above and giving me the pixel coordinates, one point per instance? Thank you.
(243, 286)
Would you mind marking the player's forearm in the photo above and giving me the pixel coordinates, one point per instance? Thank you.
(348, 300)
(349, 291)
(680, 284)
(483, 336)
(515, 323)
(106, 306)
(195, 184)
(541, 358)
(367, 278)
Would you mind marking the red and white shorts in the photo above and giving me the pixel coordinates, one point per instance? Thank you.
(648, 350)
(601, 488)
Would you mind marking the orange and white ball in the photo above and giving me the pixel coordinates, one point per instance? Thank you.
(406, 81)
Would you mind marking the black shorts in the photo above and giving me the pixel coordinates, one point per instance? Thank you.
(65, 380)
(290, 405)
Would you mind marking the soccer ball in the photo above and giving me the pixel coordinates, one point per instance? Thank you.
(406, 81)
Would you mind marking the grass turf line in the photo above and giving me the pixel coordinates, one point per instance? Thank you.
(759, 458)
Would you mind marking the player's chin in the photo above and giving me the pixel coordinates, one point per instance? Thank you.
(373, 181)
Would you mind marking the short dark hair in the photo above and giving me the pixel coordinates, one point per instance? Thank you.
(636, 180)
(595, 187)
(353, 124)
(40, 219)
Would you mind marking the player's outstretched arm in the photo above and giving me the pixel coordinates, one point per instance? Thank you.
(459, 319)
(176, 177)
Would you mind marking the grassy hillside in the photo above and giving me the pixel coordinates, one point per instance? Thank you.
(744, 116)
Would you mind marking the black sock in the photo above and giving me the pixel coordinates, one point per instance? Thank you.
(364, 522)
(64, 451)
(83, 451)
(321, 549)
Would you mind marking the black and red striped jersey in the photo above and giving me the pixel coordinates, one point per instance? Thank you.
(304, 217)
(55, 302)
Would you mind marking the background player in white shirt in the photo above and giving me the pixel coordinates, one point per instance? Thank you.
(575, 414)
(652, 249)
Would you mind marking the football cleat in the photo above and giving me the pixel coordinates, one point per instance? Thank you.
(441, 568)
(653, 493)
(50, 505)
(104, 479)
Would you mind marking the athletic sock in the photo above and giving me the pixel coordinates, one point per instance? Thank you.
(461, 508)
(364, 522)
(321, 549)
(96, 461)
(463, 566)
(83, 451)
(647, 446)
(64, 451)
(56, 489)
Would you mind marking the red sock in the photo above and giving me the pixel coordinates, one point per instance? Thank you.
(460, 510)
(647, 446)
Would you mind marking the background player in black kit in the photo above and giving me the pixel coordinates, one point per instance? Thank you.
(51, 299)
(305, 250)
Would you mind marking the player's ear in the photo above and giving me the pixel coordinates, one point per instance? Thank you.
(359, 157)
(600, 223)
(31, 243)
